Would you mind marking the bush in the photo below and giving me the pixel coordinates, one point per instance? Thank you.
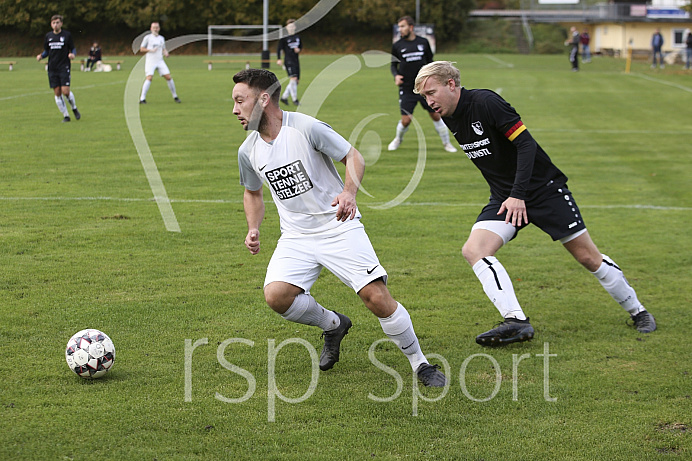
(548, 38)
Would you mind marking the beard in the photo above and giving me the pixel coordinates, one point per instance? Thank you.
(256, 123)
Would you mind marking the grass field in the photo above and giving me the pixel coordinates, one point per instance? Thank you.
(84, 245)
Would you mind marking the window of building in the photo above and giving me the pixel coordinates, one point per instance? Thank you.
(679, 36)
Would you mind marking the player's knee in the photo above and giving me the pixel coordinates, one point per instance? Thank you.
(590, 260)
(277, 298)
(377, 298)
(471, 253)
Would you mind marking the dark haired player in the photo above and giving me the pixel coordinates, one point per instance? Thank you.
(59, 48)
(409, 54)
(525, 187)
(290, 46)
(294, 154)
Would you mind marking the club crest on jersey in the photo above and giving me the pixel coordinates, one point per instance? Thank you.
(62, 39)
(477, 128)
(420, 47)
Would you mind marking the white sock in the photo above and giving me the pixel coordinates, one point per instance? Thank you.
(401, 130)
(145, 89)
(73, 103)
(61, 106)
(615, 283)
(498, 287)
(442, 130)
(293, 89)
(307, 311)
(287, 93)
(398, 328)
(171, 86)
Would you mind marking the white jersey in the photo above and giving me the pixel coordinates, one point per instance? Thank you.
(156, 42)
(298, 168)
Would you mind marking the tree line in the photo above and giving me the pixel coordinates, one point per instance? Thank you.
(32, 17)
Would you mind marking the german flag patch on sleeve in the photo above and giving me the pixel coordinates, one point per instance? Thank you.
(515, 130)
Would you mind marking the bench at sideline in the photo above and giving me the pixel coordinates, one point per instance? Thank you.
(210, 63)
(8, 63)
(82, 63)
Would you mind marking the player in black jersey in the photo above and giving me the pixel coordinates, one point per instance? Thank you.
(525, 187)
(59, 48)
(291, 46)
(409, 54)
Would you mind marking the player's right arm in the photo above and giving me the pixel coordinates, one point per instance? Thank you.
(144, 47)
(45, 50)
(253, 204)
(278, 52)
(394, 68)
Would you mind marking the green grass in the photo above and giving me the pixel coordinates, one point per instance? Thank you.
(82, 245)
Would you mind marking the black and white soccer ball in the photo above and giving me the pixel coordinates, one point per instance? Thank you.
(90, 353)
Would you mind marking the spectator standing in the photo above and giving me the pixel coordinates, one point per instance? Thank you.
(585, 49)
(573, 42)
(656, 46)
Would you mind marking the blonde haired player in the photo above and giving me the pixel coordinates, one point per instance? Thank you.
(154, 45)
(525, 188)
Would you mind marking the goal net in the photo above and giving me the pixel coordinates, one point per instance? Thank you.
(225, 40)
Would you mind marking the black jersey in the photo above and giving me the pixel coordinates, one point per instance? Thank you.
(493, 136)
(287, 44)
(408, 56)
(58, 46)
(95, 53)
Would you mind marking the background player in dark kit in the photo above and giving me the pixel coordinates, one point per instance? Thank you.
(291, 46)
(59, 48)
(525, 187)
(409, 54)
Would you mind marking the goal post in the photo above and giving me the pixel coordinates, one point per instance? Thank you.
(230, 33)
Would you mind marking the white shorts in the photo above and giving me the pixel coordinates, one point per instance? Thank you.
(299, 259)
(150, 67)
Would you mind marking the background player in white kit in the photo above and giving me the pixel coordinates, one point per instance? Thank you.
(154, 45)
(320, 223)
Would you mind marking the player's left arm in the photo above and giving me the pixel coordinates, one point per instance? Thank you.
(346, 200)
(428, 53)
(526, 154)
(165, 50)
(71, 47)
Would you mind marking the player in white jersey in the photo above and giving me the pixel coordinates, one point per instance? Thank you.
(293, 154)
(154, 45)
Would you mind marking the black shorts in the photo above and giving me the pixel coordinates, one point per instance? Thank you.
(293, 69)
(59, 78)
(554, 212)
(408, 100)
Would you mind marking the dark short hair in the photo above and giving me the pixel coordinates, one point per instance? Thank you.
(290, 21)
(260, 80)
(409, 20)
(56, 16)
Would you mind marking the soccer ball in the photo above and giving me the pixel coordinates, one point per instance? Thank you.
(90, 353)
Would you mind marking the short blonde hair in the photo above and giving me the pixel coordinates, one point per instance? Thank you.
(443, 71)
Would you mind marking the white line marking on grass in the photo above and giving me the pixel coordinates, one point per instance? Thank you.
(43, 93)
(410, 204)
(663, 82)
(499, 61)
(134, 125)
